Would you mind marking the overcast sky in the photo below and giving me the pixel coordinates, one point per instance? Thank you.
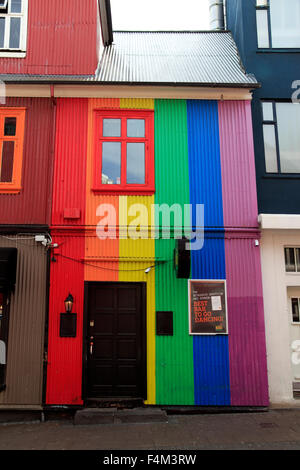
(148, 15)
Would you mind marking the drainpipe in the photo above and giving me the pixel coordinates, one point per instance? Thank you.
(216, 15)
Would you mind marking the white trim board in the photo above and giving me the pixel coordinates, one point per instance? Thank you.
(279, 221)
(125, 91)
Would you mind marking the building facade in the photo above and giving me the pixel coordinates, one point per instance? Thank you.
(35, 40)
(128, 152)
(147, 221)
(267, 35)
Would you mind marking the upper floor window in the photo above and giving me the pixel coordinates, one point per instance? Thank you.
(295, 309)
(281, 124)
(278, 23)
(12, 121)
(124, 155)
(13, 26)
(292, 259)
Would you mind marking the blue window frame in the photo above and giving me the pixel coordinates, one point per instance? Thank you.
(278, 24)
(281, 124)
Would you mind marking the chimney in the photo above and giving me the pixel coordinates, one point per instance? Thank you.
(216, 15)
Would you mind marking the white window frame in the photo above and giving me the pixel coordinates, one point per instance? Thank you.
(6, 51)
(297, 271)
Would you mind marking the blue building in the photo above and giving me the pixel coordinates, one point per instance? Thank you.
(267, 33)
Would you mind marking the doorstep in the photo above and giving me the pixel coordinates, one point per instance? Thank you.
(89, 416)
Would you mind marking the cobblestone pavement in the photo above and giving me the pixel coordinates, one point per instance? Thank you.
(271, 430)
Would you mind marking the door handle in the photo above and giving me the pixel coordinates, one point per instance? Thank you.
(91, 345)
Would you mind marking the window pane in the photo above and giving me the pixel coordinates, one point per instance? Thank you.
(289, 254)
(10, 125)
(297, 259)
(3, 4)
(295, 310)
(136, 163)
(267, 111)
(285, 23)
(111, 127)
(111, 163)
(15, 27)
(270, 149)
(2, 30)
(1, 311)
(288, 120)
(135, 128)
(7, 162)
(16, 6)
(262, 28)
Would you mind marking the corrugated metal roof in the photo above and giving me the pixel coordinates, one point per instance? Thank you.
(193, 58)
(206, 58)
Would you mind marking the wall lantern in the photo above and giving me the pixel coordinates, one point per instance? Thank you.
(69, 303)
(68, 320)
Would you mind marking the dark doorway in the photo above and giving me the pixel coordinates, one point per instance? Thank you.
(115, 346)
(4, 322)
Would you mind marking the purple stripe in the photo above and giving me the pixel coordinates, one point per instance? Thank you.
(247, 347)
(238, 164)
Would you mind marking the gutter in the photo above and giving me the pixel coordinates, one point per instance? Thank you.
(101, 83)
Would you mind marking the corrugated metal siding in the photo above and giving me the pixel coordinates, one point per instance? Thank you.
(136, 103)
(204, 160)
(211, 357)
(64, 374)
(248, 375)
(26, 325)
(32, 205)
(247, 348)
(211, 354)
(181, 369)
(62, 39)
(93, 200)
(173, 57)
(134, 257)
(70, 160)
(108, 249)
(238, 164)
(101, 258)
(174, 354)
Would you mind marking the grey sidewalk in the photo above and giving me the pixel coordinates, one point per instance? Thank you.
(274, 429)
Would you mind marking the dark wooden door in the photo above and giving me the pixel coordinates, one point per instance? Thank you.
(116, 340)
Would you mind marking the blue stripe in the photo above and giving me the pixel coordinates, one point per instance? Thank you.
(211, 353)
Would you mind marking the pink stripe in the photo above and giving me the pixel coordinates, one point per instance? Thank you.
(238, 164)
(247, 346)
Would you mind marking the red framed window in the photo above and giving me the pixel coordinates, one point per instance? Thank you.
(124, 151)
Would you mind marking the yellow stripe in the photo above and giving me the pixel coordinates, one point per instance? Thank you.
(136, 103)
(136, 255)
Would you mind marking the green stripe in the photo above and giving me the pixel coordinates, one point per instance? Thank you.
(174, 354)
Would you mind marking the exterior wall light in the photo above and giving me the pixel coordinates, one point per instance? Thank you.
(69, 303)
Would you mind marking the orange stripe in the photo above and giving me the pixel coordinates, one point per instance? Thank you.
(101, 256)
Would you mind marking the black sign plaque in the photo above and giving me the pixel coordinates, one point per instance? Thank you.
(68, 325)
(207, 307)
